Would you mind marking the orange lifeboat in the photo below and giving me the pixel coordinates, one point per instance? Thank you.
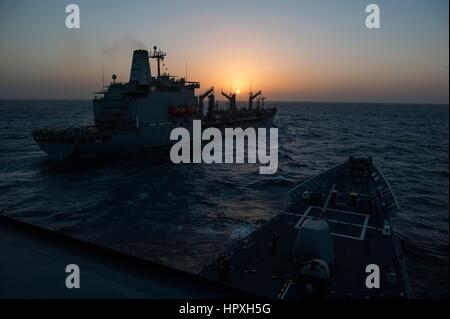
(175, 110)
(191, 110)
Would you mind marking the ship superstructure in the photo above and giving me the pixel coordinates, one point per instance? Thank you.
(141, 113)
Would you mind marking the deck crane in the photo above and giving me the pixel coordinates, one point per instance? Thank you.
(232, 98)
(208, 93)
(251, 97)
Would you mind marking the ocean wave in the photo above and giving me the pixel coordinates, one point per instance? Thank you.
(147, 206)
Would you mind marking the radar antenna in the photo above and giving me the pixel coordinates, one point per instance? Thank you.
(159, 56)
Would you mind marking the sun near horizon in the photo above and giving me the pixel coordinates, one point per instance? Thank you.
(291, 50)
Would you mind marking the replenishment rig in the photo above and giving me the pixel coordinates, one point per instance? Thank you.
(140, 114)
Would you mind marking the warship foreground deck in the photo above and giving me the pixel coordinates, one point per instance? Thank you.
(337, 225)
(33, 262)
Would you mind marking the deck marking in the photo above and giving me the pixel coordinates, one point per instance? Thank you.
(363, 231)
(342, 211)
(342, 223)
(286, 288)
(363, 226)
(292, 214)
(345, 236)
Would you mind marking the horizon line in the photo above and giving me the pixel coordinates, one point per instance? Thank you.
(242, 101)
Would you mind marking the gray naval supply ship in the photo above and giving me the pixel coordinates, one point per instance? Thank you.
(140, 114)
(325, 243)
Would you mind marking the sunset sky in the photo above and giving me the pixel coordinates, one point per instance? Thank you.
(293, 50)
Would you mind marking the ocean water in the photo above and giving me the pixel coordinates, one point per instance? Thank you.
(184, 215)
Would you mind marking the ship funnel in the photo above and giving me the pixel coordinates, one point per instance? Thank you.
(140, 68)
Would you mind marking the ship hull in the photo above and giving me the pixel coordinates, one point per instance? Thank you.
(150, 137)
(57, 151)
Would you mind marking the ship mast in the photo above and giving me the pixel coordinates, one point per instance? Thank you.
(159, 56)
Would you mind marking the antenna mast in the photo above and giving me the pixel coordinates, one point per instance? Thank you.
(103, 80)
(159, 56)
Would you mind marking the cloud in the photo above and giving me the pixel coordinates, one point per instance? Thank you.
(124, 46)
